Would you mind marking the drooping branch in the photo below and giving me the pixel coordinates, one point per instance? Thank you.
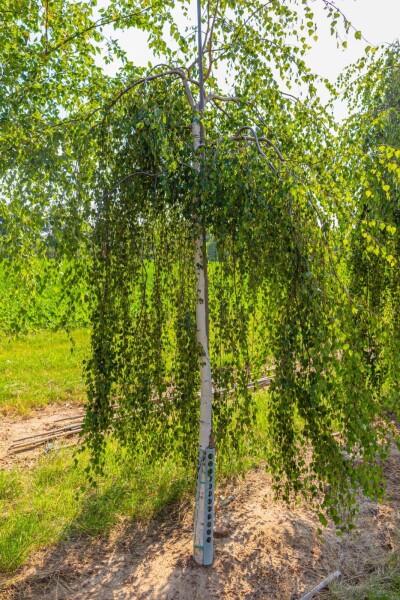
(218, 107)
(236, 33)
(254, 138)
(333, 7)
(127, 177)
(172, 71)
(169, 67)
(175, 71)
(210, 97)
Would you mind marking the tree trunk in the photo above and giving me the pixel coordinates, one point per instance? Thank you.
(203, 551)
(204, 508)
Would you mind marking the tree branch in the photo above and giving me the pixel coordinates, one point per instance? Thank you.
(221, 109)
(326, 582)
(176, 71)
(256, 139)
(51, 49)
(99, 23)
(222, 98)
(332, 6)
(210, 55)
(241, 27)
(127, 177)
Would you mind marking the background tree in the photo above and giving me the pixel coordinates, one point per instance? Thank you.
(374, 130)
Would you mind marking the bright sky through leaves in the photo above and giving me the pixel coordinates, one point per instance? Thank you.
(379, 23)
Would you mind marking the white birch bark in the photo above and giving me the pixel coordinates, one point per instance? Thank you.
(205, 376)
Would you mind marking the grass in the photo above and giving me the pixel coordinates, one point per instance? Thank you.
(382, 583)
(42, 506)
(38, 369)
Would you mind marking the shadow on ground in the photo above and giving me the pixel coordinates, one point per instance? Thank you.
(272, 552)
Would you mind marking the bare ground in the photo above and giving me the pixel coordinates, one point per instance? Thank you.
(271, 552)
(41, 420)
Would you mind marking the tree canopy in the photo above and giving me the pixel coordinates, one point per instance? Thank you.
(303, 213)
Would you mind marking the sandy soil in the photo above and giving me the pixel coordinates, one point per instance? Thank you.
(44, 420)
(270, 552)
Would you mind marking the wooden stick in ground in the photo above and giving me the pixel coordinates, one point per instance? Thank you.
(325, 582)
(48, 432)
(20, 447)
(70, 418)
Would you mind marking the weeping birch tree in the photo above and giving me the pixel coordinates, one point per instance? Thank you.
(224, 138)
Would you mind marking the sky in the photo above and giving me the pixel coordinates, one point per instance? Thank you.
(378, 20)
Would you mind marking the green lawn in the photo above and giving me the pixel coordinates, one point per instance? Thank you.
(40, 368)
